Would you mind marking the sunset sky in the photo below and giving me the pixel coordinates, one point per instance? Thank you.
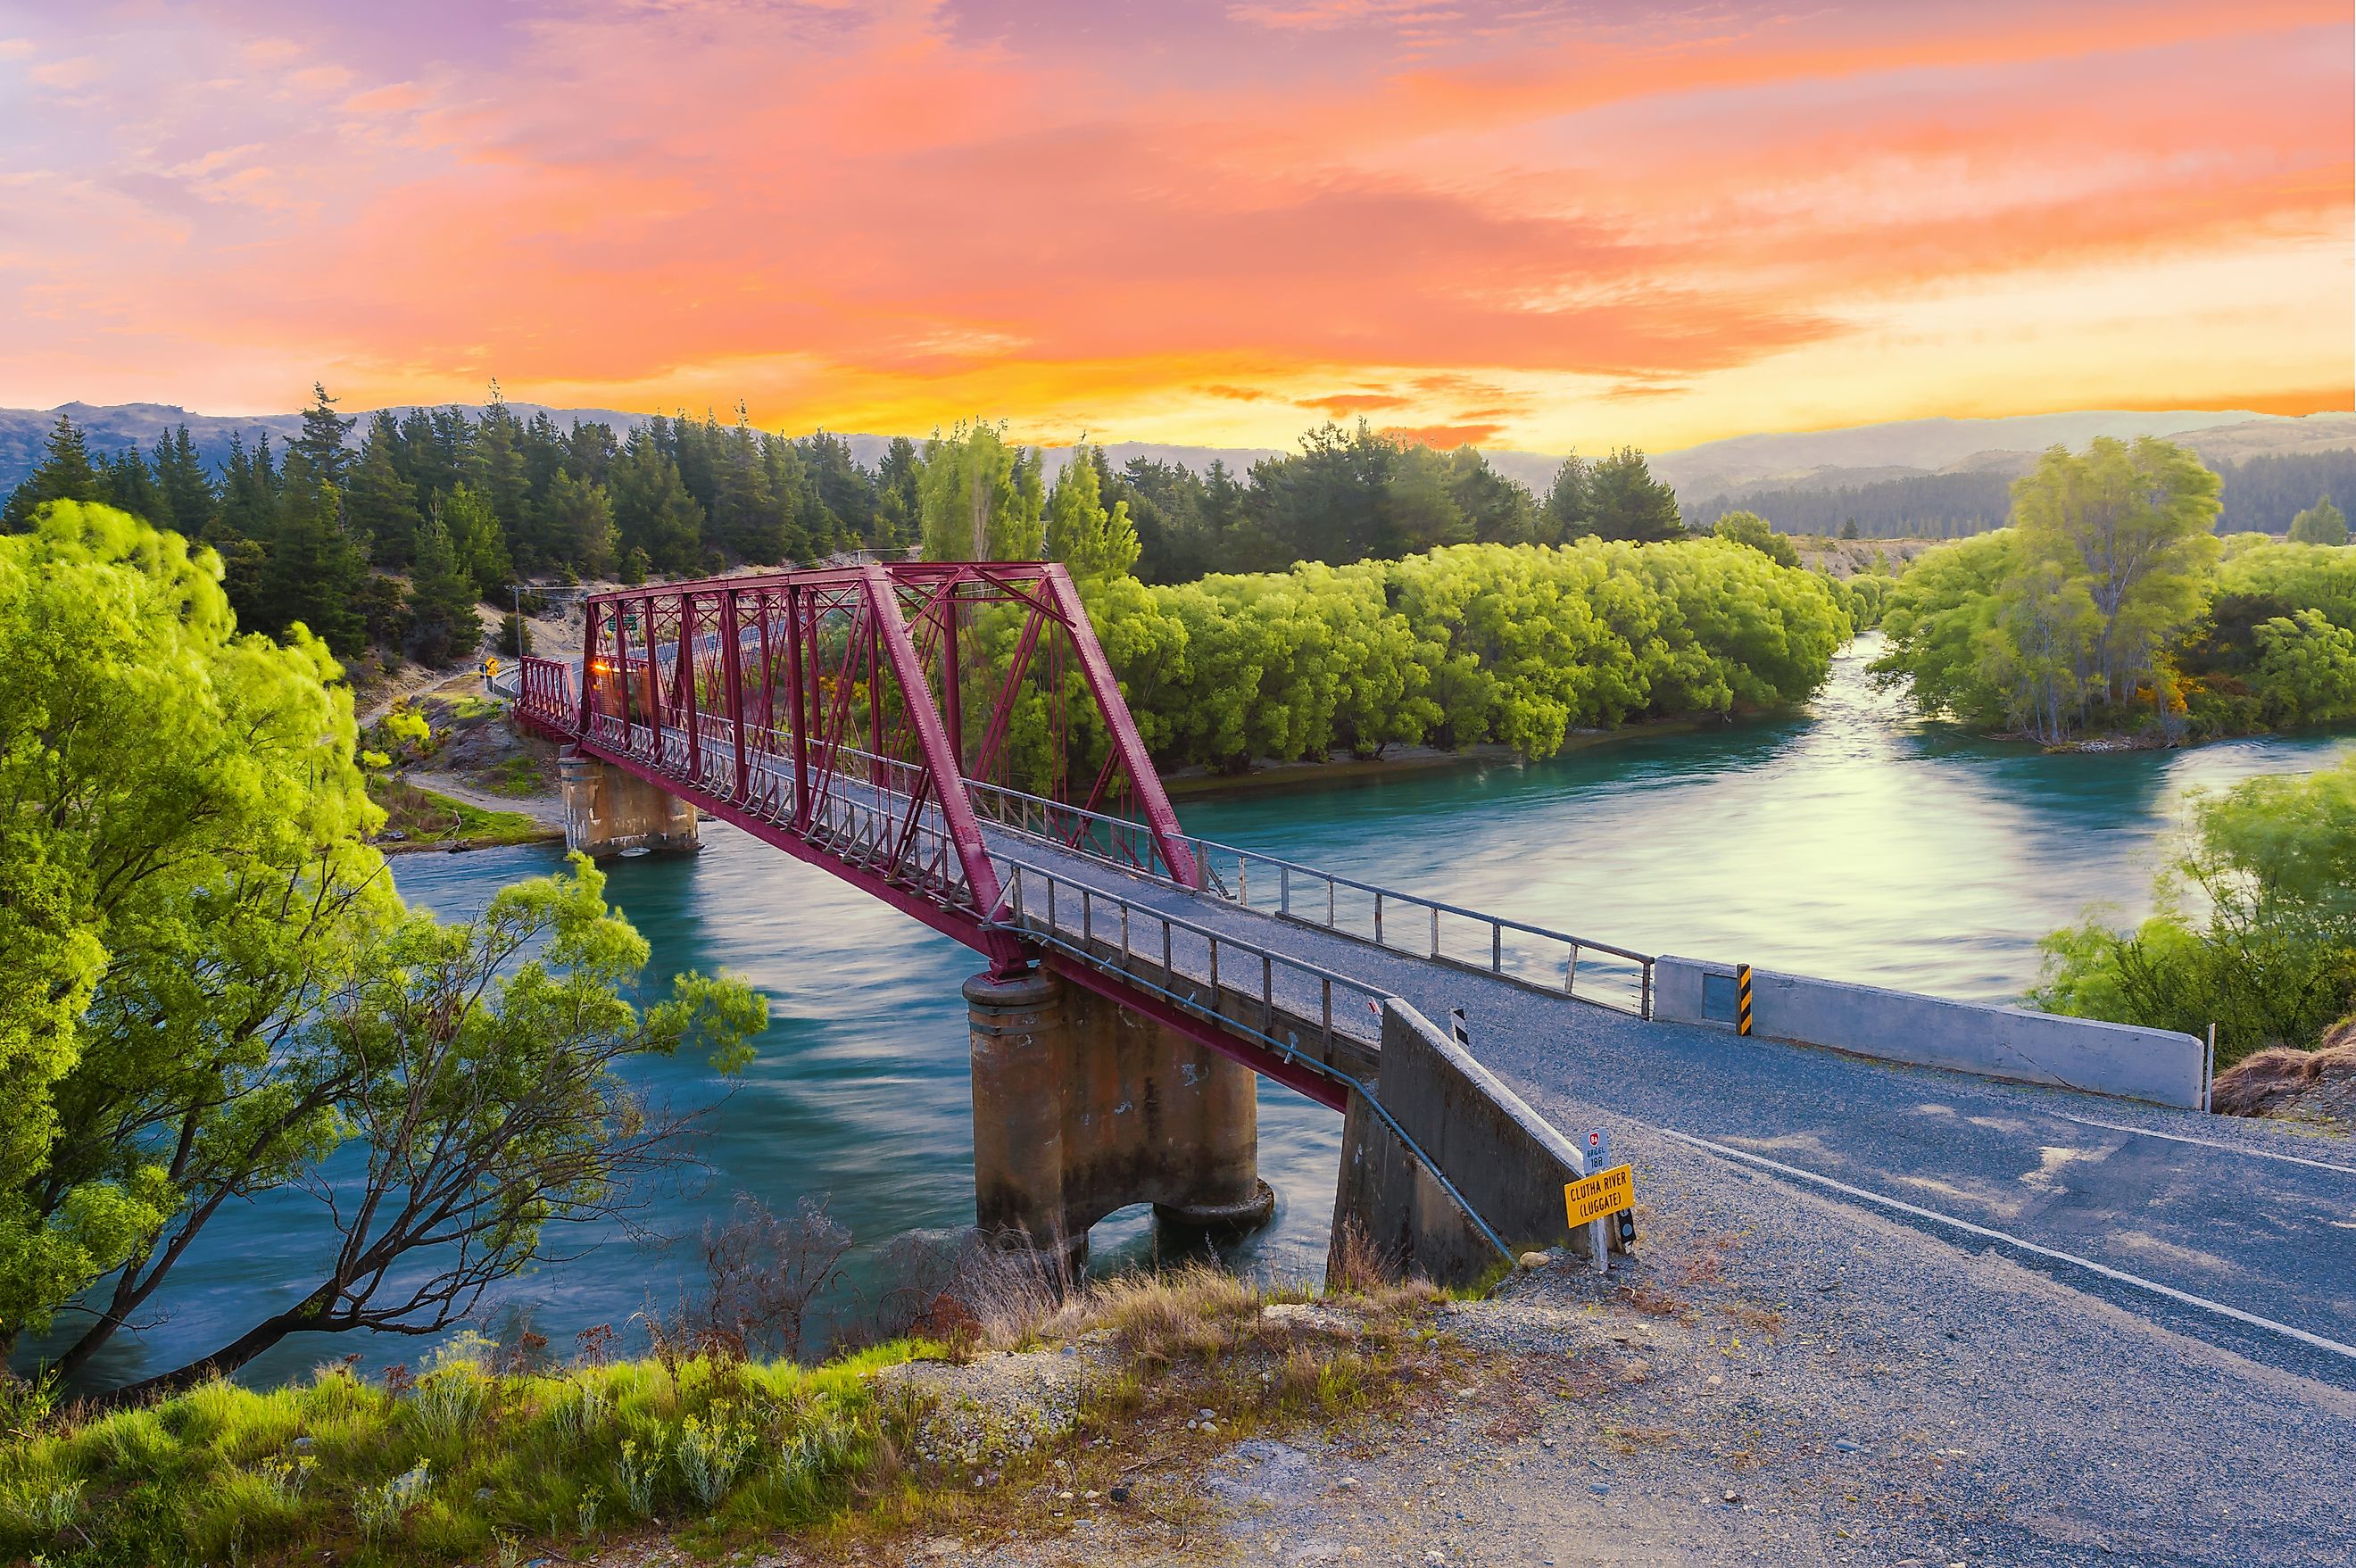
(1520, 224)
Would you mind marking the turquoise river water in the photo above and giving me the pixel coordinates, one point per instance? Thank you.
(1850, 840)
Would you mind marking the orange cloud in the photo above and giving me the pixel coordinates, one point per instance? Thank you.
(1345, 403)
(1446, 437)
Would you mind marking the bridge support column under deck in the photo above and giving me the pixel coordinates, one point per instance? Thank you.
(608, 809)
(1081, 1107)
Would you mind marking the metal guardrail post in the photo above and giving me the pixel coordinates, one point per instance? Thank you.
(1497, 947)
(1435, 931)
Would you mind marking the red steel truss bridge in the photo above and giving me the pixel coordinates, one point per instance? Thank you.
(950, 738)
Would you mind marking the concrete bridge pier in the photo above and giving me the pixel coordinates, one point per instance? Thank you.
(608, 809)
(1081, 1107)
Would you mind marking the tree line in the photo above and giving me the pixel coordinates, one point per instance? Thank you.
(2109, 605)
(392, 540)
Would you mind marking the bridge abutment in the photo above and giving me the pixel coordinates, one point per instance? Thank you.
(1081, 1107)
(608, 809)
(1506, 1161)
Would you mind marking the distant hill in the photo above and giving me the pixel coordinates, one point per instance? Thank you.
(1920, 446)
(1935, 477)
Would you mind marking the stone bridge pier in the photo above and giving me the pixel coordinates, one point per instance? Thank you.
(1081, 1107)
(608, 809)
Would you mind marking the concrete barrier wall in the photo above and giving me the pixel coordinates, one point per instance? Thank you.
(2156, 1065)
(1508, 1162)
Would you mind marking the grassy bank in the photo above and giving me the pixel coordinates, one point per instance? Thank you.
(466, 1464)
(426, 820)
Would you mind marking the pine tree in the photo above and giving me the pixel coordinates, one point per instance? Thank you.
(653, 514)
(189, 497)
(124, 482)
(249, 505)
(748, 520)
(65, 474)
(899, 506)
(580, 524)
(322, 441)
(1627, 502)
(503, 484)
(443, 624)
(314, 574)
(475, 536)
(1569, 503)
(379, 509)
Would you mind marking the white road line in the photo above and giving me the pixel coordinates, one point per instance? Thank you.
(2208, 1144)
(2120, 1275)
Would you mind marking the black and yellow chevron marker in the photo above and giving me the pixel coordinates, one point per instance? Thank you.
(1743, 999)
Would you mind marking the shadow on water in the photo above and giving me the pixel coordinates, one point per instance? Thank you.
(1853, 841)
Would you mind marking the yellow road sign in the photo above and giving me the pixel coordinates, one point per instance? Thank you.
(1604, 1193)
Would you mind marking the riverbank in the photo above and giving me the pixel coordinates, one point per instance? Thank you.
(451, 815)
(1345, 767)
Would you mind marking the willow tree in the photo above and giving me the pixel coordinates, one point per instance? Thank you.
(2129, 528)
(1093, 540)
(160, 778)
(981, 498)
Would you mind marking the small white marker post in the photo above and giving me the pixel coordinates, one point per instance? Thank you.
(1598, 1240)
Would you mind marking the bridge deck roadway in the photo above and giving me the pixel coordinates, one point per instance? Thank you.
(2249, 1220)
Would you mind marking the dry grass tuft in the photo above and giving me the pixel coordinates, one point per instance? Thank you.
(2267, 1082)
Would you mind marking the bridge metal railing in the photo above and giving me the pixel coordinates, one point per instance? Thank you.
(1116, 841)
(1437, 932)
(1406, 923)
(1285, 1002)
